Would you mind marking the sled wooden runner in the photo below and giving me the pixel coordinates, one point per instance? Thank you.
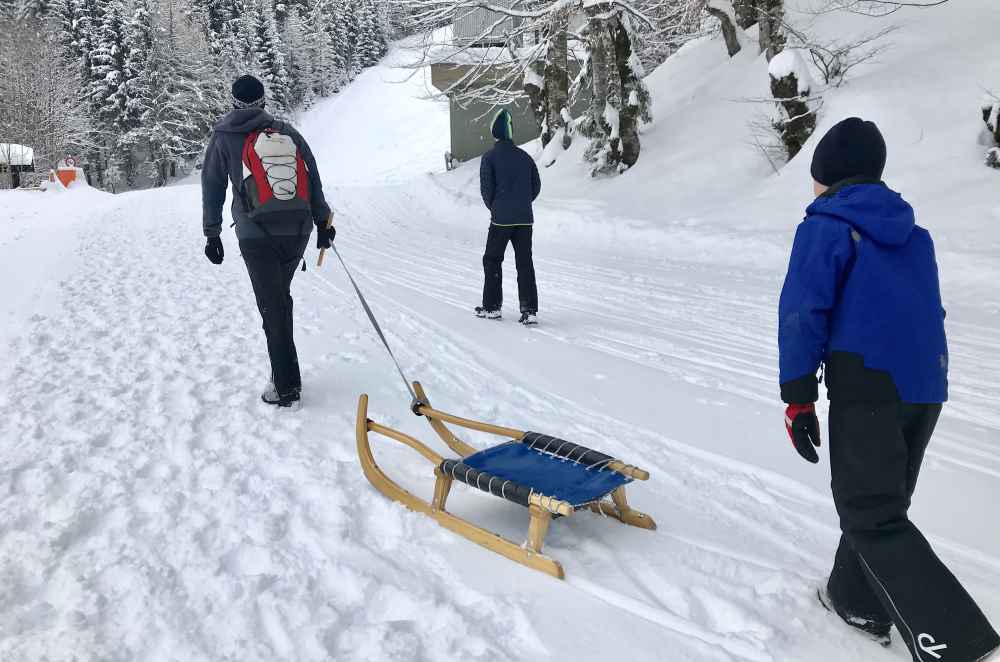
(551, 477)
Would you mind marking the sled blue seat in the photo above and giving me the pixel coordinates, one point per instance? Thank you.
(516, 469)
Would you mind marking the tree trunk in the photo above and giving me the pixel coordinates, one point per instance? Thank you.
(556, 75)
(801, 120)
(629, 103)
(728, 29)
(771, 22)
(746, 13)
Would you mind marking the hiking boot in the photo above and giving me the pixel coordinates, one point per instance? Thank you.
(493, 314)
(272, 397)
(528, 319)
(879, 632)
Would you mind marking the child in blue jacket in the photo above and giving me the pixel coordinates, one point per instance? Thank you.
(862, 298)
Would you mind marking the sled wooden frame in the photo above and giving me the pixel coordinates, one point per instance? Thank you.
(541, 508)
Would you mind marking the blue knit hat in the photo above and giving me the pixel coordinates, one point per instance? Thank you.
(503, 126)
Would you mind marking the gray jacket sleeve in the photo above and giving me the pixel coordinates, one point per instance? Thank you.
(214, 181)
(320, 208)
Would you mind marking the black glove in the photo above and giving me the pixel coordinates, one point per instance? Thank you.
(803, 430)
(214, 251)
(324, 236)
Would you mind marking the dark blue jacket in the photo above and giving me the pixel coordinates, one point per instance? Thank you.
(862, 290)
(223, 165)
(509, 182)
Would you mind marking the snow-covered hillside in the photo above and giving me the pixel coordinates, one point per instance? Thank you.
(152, 509)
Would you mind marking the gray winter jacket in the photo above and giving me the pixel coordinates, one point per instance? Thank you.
(223, 164)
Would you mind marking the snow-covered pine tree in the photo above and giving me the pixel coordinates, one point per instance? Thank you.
(280, 9)
(36, 9)
(328, 75)
(334, 23)
(140, 39)
(270, 60)
(108, 91)
(214, 17)
(347, 35)
(239, 56)
(298, 59)
(185, 95)
(372, 42)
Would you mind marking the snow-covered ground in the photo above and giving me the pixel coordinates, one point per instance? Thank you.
(152, 509)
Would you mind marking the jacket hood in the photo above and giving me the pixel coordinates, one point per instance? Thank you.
(244, 120)
(873, 209)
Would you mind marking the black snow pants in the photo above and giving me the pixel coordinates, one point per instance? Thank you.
(271, 264)
(496, 246)
(885, 570)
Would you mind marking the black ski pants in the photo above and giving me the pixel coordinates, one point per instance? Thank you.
(885, 570)
(271, 264)
(496, 246)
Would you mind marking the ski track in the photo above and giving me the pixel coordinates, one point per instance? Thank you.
(163, 509)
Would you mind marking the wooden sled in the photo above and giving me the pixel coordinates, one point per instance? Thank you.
(531, 470)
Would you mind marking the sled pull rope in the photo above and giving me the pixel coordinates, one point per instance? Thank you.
(416, 403)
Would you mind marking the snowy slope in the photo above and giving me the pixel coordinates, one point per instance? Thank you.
(152, 509)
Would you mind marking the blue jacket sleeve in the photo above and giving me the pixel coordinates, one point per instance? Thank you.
(821, 254)
(214, 181)
(487, 182)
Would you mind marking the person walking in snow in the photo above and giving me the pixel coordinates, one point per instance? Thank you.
(862, 297)
(509, 183)
(277, 197)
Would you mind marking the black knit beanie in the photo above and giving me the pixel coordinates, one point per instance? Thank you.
(852, 148)
(503, 126)
(248, 92)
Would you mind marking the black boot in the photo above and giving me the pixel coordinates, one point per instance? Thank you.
(272, 397)
(493, 314)
(877, 631)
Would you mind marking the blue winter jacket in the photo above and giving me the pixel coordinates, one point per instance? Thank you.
(862, 283)
(509, 183)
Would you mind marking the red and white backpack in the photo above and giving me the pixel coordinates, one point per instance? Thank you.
(275, 178)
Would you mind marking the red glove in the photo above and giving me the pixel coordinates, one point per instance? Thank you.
(803, 430)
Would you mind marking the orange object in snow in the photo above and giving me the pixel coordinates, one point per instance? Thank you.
(66, 175)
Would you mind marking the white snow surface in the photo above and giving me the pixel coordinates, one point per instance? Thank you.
(152, 509)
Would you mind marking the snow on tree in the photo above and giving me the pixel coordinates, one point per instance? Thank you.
(725, 13)
(619, 97)
(991, 118)
(42, 105)
(771, 20)
(791, 84)
(109, 88)
(329, 74)
(36, 8)
(214, 17)
(373, 42)
(298, 56)
(347, 35)
(270, 58)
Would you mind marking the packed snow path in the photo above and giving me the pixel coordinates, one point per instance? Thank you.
(151, 508)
